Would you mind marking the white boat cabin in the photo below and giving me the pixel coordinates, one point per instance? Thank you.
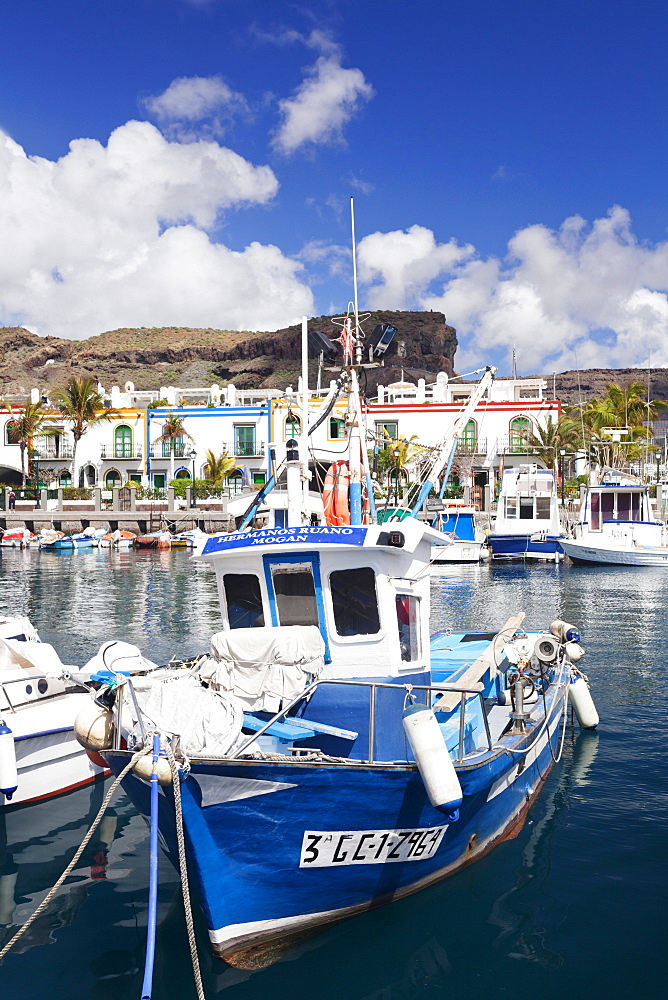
(366, 590)
(621, 512)
(528, 502)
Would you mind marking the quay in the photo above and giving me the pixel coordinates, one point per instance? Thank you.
(120, 508)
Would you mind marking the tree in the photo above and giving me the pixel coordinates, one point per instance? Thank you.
(549, 440)
(626, 408)
(82, 405)
(172, 434)
(24, 425)
(218, 467)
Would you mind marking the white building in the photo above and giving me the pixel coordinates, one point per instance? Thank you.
(129, 444)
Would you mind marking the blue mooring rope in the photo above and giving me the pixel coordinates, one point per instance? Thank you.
(147, 986)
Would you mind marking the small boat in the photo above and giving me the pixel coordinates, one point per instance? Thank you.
(188, 539)
(154, 540)
(18, 538)
(329, 757)
(527, 525)
(117, 540)
(51, 540)
(616, 526)
(459, 520)
(39, 699)
(46, 713)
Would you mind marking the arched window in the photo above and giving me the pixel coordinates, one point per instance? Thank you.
(293, 426)
(123, 442)
(64, 477)
(112, 478)
(469, 438)
(183, 474)
(235, 480)
(520, 431)
(11, 434)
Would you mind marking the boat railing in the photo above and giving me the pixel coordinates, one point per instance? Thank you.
(431, 690)
(373, 687)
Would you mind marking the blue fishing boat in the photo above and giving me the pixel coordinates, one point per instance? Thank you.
(527, 524)
(330, 757)
(324, 756)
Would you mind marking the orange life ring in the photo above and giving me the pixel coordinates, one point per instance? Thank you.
(335, 494)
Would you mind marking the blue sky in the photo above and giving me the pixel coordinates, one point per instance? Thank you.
(191, 162)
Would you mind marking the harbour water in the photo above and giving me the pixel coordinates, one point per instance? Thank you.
(573, 907)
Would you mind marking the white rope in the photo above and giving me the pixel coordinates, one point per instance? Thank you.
(183, 870)
(49, 896)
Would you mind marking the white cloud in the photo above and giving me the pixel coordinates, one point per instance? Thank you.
(405, 264)
(590, 289)
(324, 102)
(115, 235)
(206, 101)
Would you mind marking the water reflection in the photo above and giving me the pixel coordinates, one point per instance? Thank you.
(515, 920)
(528, 912)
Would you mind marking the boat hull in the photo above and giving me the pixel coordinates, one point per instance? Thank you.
(587, 554)
(523, 547)
(49, 759)
(280, 850)
(460, 552)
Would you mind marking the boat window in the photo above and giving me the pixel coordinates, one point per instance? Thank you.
(408, 621)
(243, 599)
(295, 594)
(635, 507)
(595, 507)
(543, 508)
(354, 601)
(526, 508)
(623, 506)
(607, 506)
(511, 506)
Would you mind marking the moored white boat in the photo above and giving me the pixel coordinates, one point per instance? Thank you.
(39, 701)
(527, 525)
(616, 526)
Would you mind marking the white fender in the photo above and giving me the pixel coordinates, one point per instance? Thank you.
(583, 703)
(94, 726)
(9, 779)
(143, 768)
(433, 760)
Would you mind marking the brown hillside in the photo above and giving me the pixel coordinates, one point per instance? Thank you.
(185, 357)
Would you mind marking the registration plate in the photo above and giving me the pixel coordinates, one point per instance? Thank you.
(324, 849)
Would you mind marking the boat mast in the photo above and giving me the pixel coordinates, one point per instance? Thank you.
(354, 408)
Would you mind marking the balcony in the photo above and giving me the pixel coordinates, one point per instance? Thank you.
(120, 452)
(471, 446)
(52, 452)
(245, 449)
(515, 444)
(165, 449)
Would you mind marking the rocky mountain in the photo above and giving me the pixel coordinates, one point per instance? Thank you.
(573, 386)
(185, 357)
(424, 345)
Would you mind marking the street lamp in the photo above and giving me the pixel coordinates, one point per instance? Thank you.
(562, 452)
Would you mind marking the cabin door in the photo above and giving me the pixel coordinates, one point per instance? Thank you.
(294, 587)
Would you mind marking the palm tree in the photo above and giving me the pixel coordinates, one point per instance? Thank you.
(556, 435)
(624, 408)
(172, 434)
(24, 425)
(82, 405)
(218, 467)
